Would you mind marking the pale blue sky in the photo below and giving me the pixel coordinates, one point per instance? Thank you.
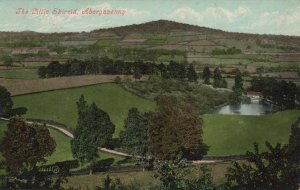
(251, 16)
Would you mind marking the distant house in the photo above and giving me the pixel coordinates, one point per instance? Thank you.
(254, 96)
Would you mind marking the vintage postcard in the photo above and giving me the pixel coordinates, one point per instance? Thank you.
(150, 95)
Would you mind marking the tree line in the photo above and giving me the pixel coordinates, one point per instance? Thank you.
(106, 65)
(229, 51)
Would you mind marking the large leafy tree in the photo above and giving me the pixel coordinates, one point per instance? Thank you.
(25, 145)
(94, 129)
(175, 131)
(134, 139)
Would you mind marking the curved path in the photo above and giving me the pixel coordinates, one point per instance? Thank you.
(70, 135)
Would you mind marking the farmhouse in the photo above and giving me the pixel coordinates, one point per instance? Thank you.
(254, 96)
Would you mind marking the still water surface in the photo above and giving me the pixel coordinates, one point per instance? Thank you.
(253, 108)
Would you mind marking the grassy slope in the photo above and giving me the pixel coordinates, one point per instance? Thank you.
(234, 134)
(60, 105)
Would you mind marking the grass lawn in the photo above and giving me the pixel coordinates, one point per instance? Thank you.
(19, 74)
(235, 134)
(60, 105)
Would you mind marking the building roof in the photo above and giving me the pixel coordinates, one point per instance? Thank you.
(253, 93)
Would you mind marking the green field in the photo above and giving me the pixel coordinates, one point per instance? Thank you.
(235, 134)
(19, 74)
(60, 105)
(225, 134)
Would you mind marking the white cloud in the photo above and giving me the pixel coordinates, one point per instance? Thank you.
(134, 12)
(211, 13)
(277, 23)
(225, 14)
(186, 13)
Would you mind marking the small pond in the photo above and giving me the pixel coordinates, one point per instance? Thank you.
(253, 108)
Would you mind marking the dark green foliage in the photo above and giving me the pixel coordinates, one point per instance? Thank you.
(237, 88)
(219, 81)
(171, 174)
(6, 103)
(102, 165)
(62, 168)
(94, 129)
(176, 70)
(18, 111)
(173, 177)
(135, 135)
(271, 170)
(42, 72)
(206, 75)
(134, 139)
(34, 179)
(191, 74)
(175, 132)
(163, 70)
(281, 93)
(103, 65)
(294, 143)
